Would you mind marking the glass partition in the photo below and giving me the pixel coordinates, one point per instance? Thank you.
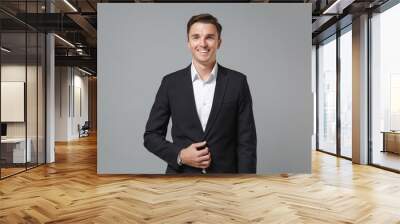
(22, 63)
(14, 153)
(327, 95)
(32, 95)
(41, 91)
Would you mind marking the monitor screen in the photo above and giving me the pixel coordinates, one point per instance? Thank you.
(3, 129)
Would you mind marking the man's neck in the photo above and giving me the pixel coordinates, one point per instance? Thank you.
(204, 70)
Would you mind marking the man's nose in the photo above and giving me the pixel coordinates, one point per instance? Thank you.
(203, 42)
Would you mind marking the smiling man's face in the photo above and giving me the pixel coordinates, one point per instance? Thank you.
(203, 42)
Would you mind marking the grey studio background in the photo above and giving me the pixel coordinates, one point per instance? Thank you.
(140, 43)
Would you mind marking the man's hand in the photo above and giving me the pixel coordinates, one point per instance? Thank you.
(191, 156)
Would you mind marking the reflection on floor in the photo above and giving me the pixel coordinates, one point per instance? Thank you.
(10, 169)
(346, 152)
(386, 159)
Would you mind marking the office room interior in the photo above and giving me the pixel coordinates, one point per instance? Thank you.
(79, 79)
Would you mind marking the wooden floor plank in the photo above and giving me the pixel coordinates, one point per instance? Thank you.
(70, 191)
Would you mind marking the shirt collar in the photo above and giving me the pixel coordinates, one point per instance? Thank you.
(195, 74)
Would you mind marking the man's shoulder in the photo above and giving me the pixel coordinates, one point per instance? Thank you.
(176, 75)
(233, 74)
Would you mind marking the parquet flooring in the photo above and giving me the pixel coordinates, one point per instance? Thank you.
(70, 191)
(10, 171)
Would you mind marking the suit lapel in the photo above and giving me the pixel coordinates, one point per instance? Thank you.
(219, 93)
(188, 85)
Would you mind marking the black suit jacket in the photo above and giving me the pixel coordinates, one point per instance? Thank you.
(230, 132)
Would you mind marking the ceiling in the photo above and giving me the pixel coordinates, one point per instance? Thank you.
(76, 22)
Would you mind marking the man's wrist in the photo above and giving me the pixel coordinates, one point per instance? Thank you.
(179, 159)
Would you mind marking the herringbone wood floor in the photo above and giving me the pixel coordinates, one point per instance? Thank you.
(70, 191)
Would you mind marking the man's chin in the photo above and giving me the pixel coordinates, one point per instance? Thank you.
(204, 61)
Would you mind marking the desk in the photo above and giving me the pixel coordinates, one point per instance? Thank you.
(391, 141)
(13, 150)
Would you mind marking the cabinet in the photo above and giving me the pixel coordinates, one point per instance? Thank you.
(391, 142)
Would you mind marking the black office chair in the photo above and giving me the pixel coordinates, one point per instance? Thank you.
(84, 130)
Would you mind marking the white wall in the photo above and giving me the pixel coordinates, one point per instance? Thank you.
(17, 72)
(33, 126)
(69, 84)
(79, 117)
(12, 73)
(61, 103)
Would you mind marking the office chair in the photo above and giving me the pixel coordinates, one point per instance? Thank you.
(84, 130)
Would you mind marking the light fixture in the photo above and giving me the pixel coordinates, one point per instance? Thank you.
(79, 51)
(64, 40)
(84, 71)
(70, 5)
(329, 9)
(5, 50)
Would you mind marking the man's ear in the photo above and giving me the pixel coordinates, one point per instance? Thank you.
(219, 42)
(188, 44)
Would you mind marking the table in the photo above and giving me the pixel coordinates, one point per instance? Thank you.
(13, 150)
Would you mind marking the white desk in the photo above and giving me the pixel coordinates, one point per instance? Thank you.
(18, 149)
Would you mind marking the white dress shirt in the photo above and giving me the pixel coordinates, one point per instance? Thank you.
(204, 93)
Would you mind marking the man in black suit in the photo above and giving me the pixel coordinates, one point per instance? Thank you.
(213, 128)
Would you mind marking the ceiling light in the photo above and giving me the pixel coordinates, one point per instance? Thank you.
(5, 50)
(329, 9)
(65, 41)
(70, 5)
(84, 71)
(79, 51)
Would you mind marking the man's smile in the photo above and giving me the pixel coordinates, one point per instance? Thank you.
(204, 52)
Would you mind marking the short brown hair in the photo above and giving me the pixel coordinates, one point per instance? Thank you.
(204, 18)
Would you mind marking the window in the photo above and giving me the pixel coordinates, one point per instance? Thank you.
(327, 95)
(385, 88)
(346, 93)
